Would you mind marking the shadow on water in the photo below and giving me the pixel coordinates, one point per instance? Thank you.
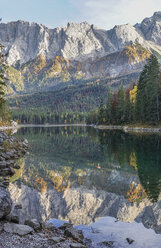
(142, 151)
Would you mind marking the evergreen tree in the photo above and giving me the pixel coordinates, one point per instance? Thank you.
(120, 110)
(128, 108)
(147, 99)
(141, 95)
(101, 112)
(109, 108)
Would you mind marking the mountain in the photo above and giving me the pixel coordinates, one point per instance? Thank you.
(40, 57)
(150, 28)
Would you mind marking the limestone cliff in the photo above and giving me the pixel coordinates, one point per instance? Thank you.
(44, 56)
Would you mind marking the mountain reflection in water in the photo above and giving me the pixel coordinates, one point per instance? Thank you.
(79, 174)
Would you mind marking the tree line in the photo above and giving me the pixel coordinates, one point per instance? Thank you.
(44, 115)
(139, 103)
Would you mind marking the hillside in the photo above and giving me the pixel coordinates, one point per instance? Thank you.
(72, 100)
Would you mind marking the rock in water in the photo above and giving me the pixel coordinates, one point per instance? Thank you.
(130, 241)
(18, 229)
(5, 203)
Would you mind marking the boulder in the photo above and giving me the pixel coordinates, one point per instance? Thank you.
(18, 229)
(49, 226)
(34, 223)
(12, 218)
(65, 226)
(74, 234)
(5, 202)
(77, 245)
(3, 164)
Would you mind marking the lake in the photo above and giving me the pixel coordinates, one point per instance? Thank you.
(85, 176)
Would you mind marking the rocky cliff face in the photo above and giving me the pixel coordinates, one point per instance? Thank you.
(87, 51)
(150, 28)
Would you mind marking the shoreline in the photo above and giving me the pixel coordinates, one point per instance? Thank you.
(128, 129)
(125, 128)
(51, 125)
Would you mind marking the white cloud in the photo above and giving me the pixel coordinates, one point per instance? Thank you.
(107, 13)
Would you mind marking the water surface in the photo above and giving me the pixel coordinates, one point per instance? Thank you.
(80, 174)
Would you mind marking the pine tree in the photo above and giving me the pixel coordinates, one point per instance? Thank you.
(101, 112)
(128, 108)
(141, 95)
(147, 99)
(109, 108)
(120, 110)
(152, 109)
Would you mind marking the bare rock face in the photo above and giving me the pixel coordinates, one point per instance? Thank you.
(26, 41)
(77, 41)
(122, 35)
(151, 28)
(43, 56)
(5, 202)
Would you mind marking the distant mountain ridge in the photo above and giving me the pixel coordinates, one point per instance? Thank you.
(41, 57)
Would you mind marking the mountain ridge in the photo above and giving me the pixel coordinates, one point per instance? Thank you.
(43, 57)
(87, 40)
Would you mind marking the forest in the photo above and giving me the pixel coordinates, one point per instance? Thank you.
(69, 103)
(139, 103)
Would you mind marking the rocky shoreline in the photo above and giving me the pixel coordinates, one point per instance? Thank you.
(40, 234)
(31, 233)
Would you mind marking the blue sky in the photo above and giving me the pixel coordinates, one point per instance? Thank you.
(103, 13)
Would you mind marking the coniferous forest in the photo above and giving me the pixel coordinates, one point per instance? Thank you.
(139, 103)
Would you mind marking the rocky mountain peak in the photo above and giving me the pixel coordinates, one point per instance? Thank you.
(75, 29)
(157, 16)
(150, 28)
(122, 35)
(25, 41)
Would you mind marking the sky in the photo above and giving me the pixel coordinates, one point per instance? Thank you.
(102, 13)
